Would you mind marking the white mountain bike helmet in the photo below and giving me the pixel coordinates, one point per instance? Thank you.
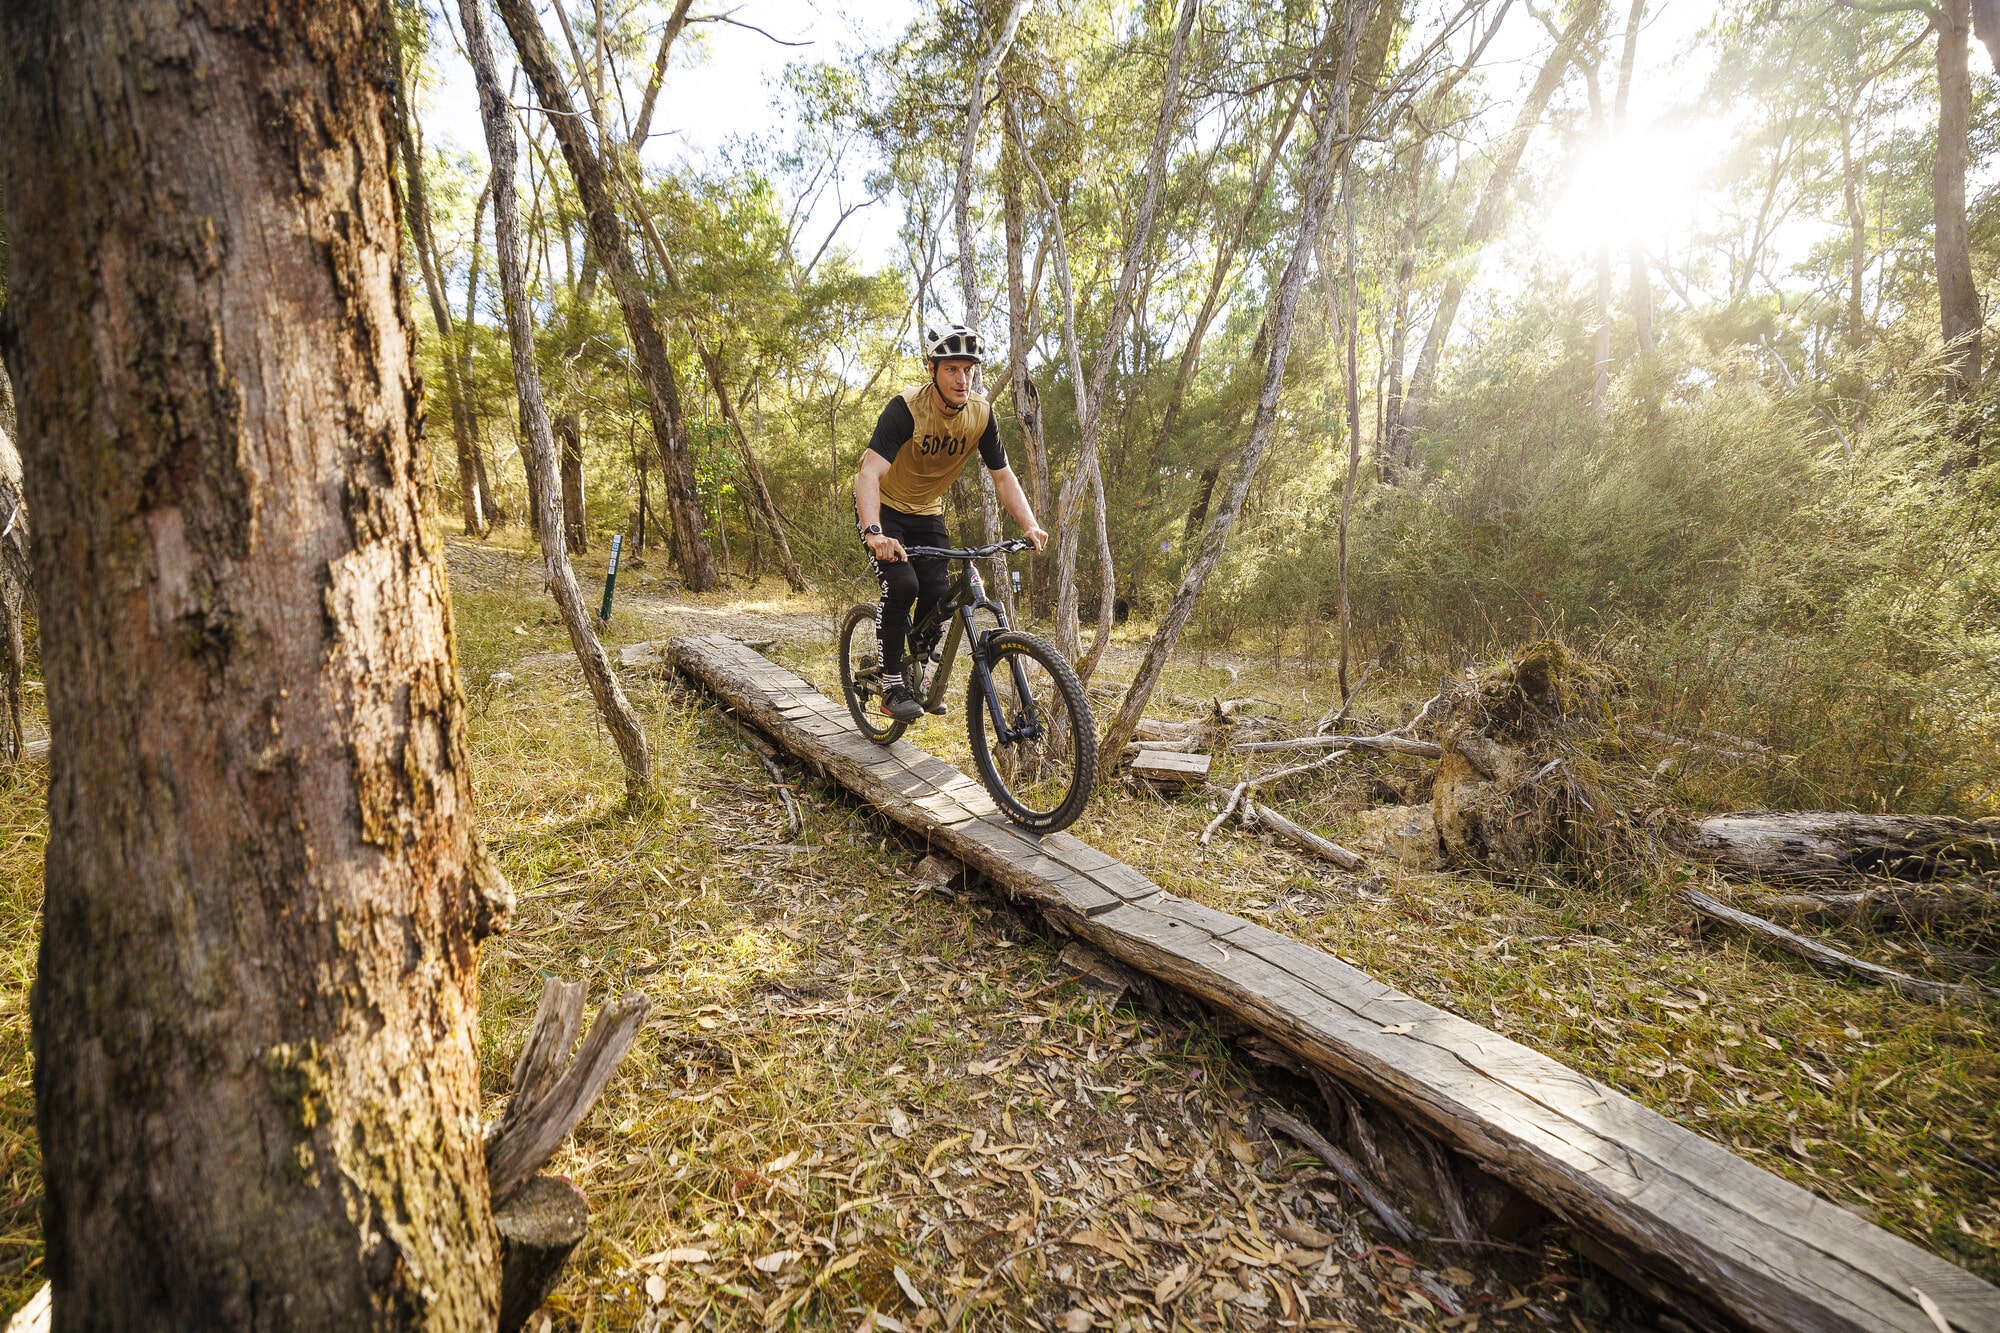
(954, 342)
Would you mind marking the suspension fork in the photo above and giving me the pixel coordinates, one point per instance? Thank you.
(982, 672)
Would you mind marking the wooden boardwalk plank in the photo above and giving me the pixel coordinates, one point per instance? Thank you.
(1762, 1251)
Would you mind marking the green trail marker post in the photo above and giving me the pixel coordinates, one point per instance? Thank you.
(611, 577)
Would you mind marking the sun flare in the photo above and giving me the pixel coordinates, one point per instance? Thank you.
(1632, 189)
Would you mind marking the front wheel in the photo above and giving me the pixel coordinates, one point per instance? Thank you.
(862, 678)
(1039, 757)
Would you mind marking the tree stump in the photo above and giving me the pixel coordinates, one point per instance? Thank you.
(539, 1229)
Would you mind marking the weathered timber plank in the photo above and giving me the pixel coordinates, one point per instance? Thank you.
(1768, 1254)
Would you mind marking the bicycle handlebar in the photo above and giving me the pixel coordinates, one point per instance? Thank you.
(968, 553)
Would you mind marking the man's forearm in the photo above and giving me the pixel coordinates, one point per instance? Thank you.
(868, 498)
(1014, 500)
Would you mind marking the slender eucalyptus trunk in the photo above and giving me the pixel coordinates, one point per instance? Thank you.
(1486, 217)
(1641, 278)
(569, 440)
(1395, 454)
(1958, 293)
(264, 886)
(1600, 382)
(495, 515)
(1285, 305)
(1225, 261)
(1091, 409)
(472, 506)
(1027, 401)
(711, 364)
(968, 263)
(1352, 386)
(536, 433)
(17, 582)
(607, 238)
(1857, 235)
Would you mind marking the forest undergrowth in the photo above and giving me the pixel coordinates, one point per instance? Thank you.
(854, 1100)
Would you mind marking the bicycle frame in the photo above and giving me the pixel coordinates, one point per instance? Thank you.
(967, 596)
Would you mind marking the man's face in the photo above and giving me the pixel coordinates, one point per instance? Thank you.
(954, 379)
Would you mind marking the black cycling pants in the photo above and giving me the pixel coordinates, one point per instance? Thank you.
(911, 589)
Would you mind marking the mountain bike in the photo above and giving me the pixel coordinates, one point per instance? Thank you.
(1033, 738)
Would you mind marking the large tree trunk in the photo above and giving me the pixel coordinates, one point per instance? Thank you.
(1958, 294)
(1486, 217)
(472, 505)
(607, 238)
(1285, 303)
(1091, 409)
(537, 436)
(265, 890)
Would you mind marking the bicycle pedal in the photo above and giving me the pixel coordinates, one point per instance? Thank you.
(938, 710)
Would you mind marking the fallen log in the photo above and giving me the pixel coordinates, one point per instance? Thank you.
(1680, 1208)
(1387, 743)
(1948, 903)
(1804, 846)
(1300, 836)
(1833, 960)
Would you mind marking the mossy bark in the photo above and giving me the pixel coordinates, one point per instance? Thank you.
(254, 1018)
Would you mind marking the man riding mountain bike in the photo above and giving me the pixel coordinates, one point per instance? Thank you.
(923, 439)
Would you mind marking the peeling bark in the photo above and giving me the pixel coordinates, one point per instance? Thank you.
(264, 884)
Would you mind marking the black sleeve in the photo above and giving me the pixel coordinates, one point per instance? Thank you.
(991, 451)
(893, 429)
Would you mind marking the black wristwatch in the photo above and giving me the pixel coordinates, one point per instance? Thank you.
(872, 530)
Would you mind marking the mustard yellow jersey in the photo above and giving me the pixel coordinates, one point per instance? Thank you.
(927, 446)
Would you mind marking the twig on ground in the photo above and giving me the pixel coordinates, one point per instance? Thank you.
(1227, 810)
(793, 818)
(1339, 715)
(1410, 727)
(1389, 741)
(1833, 960)
(1348, 1170)
(1301, 837)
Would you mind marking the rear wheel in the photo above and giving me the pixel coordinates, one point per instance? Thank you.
(1039, 758)
(862, 678)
